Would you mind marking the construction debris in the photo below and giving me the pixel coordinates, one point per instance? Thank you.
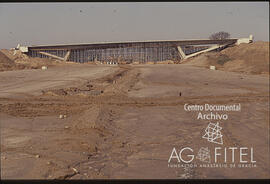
(212, 67)
(75, 170)
(44, 67)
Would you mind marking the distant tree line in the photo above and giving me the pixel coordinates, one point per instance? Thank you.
(222, 35)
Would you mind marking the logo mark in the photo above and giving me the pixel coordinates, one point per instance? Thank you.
(203, 155)
(213, 134)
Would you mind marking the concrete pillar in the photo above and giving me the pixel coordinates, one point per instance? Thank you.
(181, 52)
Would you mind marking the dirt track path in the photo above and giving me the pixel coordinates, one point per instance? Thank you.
(31, 82)
(146, 131)
(129, 130)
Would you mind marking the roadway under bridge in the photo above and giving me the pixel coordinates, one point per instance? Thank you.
(136, 51)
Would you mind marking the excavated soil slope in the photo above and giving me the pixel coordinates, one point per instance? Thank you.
(247, 58)
(5, 62)
(11, 60)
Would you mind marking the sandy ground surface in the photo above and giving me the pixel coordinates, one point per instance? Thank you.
(124, 123)
(24, 82)
(250, 58)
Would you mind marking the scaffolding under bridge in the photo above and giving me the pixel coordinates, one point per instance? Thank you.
(143, 51)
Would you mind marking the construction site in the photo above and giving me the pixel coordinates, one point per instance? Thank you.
(128, 52)
(116, 110)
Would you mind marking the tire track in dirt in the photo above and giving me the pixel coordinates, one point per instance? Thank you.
(101, 119)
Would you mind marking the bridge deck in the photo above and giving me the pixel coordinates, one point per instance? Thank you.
(133, 43)
(141, 51)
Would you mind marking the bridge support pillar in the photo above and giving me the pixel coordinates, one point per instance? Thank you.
(67, 55)
(181, 52)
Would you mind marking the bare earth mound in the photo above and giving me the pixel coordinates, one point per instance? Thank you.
(247, 58)
(5, 62)
(17, 61)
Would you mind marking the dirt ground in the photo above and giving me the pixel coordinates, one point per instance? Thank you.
(252, 58)
(16, 60)
(87, 122)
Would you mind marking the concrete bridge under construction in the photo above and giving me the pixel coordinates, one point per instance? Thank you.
(135, 51)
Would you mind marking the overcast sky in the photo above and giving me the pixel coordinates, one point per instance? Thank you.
(55, 23)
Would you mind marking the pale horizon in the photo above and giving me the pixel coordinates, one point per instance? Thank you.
(67, 23)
